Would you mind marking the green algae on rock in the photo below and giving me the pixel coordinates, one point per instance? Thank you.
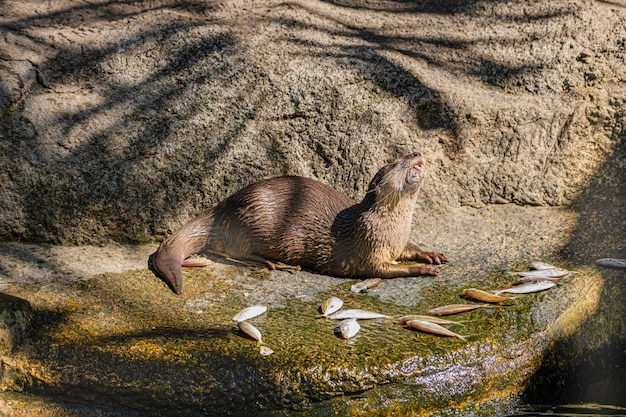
(133, 342)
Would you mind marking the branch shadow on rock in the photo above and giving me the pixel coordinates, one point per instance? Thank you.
(107, 163)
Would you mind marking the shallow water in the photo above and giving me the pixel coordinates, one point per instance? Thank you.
(571, 410)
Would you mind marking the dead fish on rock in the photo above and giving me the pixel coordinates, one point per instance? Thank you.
(611, 263)
(348, 328)
(454, 309)
(356, 314)
(196, 261)
(523, 280)
(331, 305)
(363, 286)
(265, 350)
(254, 333)
(249, 312)
(484, 296)
(431, 319)
(545, 273)
(541, 266)
(529, 287)
(433, 328)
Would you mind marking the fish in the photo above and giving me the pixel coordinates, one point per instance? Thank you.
(546, 273)
(484, 296)
(348, 328)
(433, 328)
(431, 319)
(529, 287)
(196, 261)
(331, 305)
(356, 314)
(611, 263)
(251, 331)
(254, 333)
(363, 286)
(249, 312)
(265, 350)
(454, 309)
(523, 280)
(541, 266)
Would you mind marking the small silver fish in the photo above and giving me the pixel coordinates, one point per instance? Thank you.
(363, 286)
(431, 319)
(528, 288)
(349, 328)
(196, 261)
(484, 296)
(433, 328)
(522, 280)
(265, 350)
(251, 331)
(356, 314)
(454, 309)
(331, 305)
(249, 312)
(611, 263)
(254, 333)
(546, 273)
(541, 266)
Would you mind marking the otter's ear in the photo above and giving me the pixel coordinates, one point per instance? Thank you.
(374, 185)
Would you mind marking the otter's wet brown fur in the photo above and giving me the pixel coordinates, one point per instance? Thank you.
(300, 221)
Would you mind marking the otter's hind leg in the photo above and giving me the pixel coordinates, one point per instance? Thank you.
(273, 265)
(413, 252)
(393, 270)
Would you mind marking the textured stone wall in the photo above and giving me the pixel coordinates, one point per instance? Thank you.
(123, 120)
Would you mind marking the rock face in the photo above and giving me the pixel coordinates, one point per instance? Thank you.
(122, 120)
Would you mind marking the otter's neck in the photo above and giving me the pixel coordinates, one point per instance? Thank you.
(398, 212)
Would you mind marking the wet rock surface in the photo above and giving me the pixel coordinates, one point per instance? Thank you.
(123, 343)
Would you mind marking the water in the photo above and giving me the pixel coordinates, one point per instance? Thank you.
(571, 410)
(587, 371)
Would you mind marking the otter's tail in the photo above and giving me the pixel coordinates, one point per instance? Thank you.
(189, 239)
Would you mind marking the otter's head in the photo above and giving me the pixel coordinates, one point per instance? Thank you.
(398, 180)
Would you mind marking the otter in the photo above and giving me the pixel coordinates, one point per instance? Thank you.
(299, 221)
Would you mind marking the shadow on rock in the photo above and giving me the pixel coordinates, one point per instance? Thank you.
(590, 366)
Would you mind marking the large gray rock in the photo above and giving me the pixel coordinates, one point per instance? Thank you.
(125, 342)
(121, 121)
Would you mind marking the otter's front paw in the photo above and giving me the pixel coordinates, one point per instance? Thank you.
(430, 271)
(417, 269)
(433, 257)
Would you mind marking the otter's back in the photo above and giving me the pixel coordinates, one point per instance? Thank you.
(286, 218)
